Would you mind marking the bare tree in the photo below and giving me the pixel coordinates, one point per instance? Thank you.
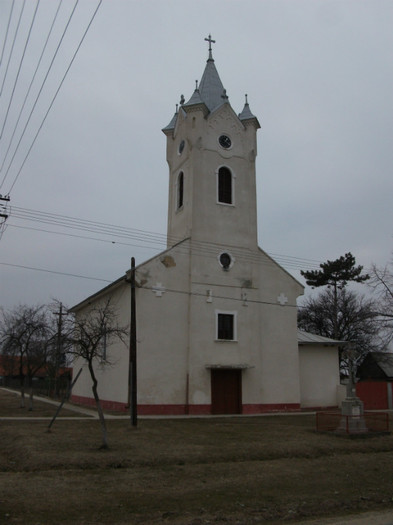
(25, 337)
(94, 330)
(382, 283)
(345, 316)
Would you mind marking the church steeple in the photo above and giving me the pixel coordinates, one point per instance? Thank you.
(211, 91)
(211, 156)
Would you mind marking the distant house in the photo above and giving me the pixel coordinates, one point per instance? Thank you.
(375, 378)
(10, 375)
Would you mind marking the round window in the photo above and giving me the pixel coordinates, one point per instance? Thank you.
(225, 141)
(225, 260)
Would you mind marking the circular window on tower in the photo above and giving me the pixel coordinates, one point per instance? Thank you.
(224, 141)
(225, 260)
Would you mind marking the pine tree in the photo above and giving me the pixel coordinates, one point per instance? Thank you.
(336, 274)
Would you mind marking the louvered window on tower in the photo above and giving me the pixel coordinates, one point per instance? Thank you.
(224, 186)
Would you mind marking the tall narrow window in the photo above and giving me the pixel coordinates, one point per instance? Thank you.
(224, 186)
(180, 190)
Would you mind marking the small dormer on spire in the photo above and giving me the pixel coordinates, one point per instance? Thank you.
(171, 126)
(247, 116)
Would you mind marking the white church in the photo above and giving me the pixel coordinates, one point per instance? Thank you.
(215, 315)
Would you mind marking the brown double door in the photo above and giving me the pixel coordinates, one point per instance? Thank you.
(226, 388)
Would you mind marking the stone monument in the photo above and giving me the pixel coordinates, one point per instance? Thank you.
(352, 410)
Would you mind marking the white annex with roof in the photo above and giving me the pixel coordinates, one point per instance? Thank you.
(216, 316)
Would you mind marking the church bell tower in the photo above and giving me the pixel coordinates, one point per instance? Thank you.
(211, 155)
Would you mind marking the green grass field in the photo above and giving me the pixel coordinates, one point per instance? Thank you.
(269, 469)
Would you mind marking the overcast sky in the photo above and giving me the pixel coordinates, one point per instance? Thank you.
(319, 77)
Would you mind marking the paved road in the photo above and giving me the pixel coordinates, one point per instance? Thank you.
(368, 518)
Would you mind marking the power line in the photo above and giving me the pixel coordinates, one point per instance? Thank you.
(57, 91)
(12, 47)
(55, 272)
(53, 99)
(30, 86)
(38, 95)
(151, 288)
(150, 239)
(19, 69)
(6, 33)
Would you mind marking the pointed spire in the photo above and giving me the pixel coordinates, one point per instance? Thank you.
(210, 87)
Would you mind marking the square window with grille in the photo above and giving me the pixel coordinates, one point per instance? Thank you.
(226, 326)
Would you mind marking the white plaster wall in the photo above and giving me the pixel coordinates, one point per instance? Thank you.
(319, 375)
(162, 324)
(112, 375)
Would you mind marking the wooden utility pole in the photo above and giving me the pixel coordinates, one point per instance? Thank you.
(132, 365)
(59, 357)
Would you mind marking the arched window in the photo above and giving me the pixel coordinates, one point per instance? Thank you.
(180, 190)
(225, 186)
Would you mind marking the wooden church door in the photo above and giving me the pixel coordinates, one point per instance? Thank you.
(226, 389)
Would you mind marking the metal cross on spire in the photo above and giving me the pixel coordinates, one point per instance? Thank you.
(211, 41)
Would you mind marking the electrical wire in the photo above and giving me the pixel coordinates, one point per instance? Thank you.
(30, 85)
(12, 47)
(19, 69)
(6, 33)
(155, 240)
(52, 101)
(37, 98)
(55, 272)
(151, 288)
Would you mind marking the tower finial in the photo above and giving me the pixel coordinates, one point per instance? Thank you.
(211, 41)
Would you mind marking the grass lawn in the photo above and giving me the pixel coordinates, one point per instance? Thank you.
(270, 469)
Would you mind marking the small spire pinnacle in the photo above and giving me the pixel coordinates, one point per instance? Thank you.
(246, 99)
(196, 85)
(182, 100)
(211, 41)
(177, 108)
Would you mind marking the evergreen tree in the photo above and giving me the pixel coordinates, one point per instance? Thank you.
(336, 274)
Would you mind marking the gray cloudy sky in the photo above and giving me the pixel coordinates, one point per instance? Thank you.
(319, 77)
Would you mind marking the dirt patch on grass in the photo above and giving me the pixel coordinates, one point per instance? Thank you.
(195, 471)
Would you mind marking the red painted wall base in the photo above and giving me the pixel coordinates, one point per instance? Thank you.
(181, 410)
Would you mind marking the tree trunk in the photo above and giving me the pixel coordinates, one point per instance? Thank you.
(99, 408)
(22, 391)
(31, 394)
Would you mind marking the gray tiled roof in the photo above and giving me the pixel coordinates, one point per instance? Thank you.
(171, 125)
(247, 115)
(305, 338)
(211, 88)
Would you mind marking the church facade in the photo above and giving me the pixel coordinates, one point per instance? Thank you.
(216, 316)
